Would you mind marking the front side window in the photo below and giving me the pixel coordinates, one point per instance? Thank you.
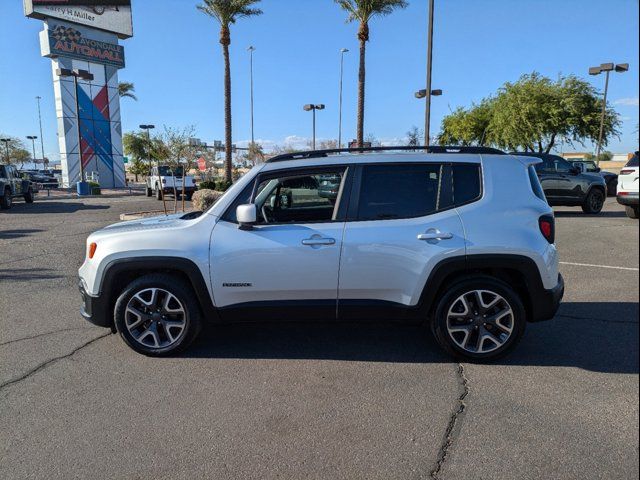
(561, 165)
(3, 173)
(299, 198)
(400, 191)
(166, 171)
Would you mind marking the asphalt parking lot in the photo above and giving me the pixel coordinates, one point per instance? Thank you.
(313, 401)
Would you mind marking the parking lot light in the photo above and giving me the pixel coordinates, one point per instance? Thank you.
(311, 107)
(33, 145)
(605, 67)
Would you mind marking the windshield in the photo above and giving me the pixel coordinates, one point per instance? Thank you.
(166, 171)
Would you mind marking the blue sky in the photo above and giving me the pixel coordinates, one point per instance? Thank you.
(175, 61)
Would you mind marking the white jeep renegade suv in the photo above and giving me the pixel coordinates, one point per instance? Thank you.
(459, 239)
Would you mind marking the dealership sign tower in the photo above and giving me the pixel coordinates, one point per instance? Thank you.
(82, 35)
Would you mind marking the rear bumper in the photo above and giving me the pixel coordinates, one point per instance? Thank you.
(169, 190)
(628, 200)
(94, 309)
(546, 302)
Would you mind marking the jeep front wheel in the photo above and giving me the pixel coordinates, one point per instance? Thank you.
(158, 192)
(157, 315)
(479, 319)
(5, 200)
(28, 197)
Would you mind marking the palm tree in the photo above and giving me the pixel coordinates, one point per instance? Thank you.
(363, 11)
(227, 12)
(126, 89)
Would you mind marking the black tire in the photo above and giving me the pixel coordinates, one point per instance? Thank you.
(632, 212)
(612, 187)
(148, 191)
(158, 193)
(189, 196)
(28, 197)
(5, 200)
(594, 201)
(187, 300)
(449, 300)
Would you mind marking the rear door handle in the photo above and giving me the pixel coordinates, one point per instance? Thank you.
(318, 240)
(435, 235)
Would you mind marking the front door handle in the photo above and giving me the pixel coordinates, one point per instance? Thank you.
(317, 240)
(434, 235)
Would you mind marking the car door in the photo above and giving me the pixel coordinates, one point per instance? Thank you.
(401, 224)
(568, 182)
(287, 263)
(550, 179)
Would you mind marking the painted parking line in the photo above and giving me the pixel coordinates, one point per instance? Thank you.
(631, 269)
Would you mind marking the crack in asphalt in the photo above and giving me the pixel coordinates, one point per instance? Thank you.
(38, 335)
(605, 320)
(49, 362)
(447, 443)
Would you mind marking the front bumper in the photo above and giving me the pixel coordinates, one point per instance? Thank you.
(630, 199)
(546, 302)
(94, 309)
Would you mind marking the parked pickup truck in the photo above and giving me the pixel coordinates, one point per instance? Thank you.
(164, 178)
(12, 185)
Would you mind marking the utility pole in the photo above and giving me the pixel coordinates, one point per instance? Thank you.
(427, 112)
(342, 52)
(251, 50)
(44, 162)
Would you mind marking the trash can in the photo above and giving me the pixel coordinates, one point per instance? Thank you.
(83, 188)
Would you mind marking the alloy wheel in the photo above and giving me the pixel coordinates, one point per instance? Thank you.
(155, 318)
(480, 321)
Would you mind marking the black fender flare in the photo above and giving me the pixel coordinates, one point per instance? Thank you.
(144, 265)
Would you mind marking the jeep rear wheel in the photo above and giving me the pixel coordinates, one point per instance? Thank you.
(157, 315)
(5, 200)
(148, 191)
(594, 201)
(479, 319)
(158, 193)
(28, 197)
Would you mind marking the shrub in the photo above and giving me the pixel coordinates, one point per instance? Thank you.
(222, 185)
(207, 185)
(204, 199)
(94, 188)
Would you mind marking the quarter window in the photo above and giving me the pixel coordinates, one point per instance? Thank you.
(466, 183)
(400, 191)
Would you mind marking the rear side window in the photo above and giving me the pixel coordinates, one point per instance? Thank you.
(535, 183)
(466, 183)
(633, 162)
(400, 191)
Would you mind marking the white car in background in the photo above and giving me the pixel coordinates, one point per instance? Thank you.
(628, 187)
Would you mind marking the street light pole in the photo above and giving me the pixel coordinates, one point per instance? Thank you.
(427, 112)
(38, 98)
(147, 128)
(342, 52)
(605, 67)
(33, 146)
(313, 107)
(251, 50)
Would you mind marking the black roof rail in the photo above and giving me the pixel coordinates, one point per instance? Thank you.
(431, 149)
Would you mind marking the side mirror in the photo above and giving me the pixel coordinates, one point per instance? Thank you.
(246, 215)
(598, 170)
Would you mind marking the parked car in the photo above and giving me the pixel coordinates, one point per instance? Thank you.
(39, 179)
(566, 185)
(12, 185)
(628, 187)
(461, 242)
(163, 179)
(610, 178)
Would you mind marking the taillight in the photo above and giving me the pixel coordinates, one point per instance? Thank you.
(626, 172)
(547, 225)
(92, 249)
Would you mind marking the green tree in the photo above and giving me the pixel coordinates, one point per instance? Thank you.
(603, 157)
(363, 11)
(227, 12)
(137, 147)
(467, 126)
(255, 154)
(126, 89)
(138, 167)
(532, 114)
(14, 151)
